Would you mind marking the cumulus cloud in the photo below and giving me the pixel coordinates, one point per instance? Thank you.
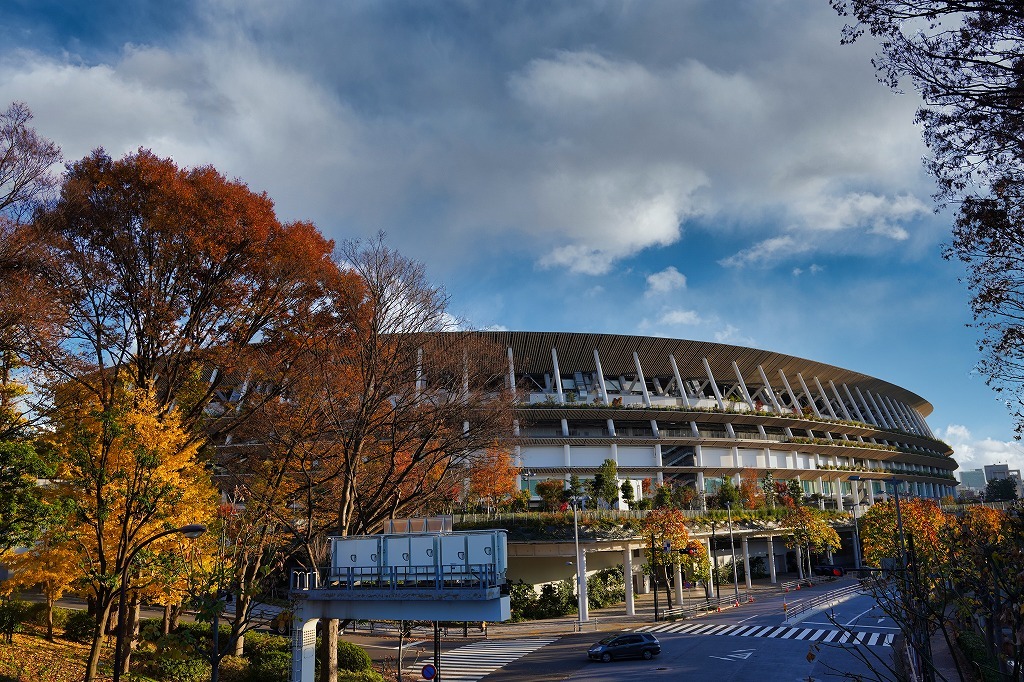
(974, 453)
(666, 281)
(731, 334)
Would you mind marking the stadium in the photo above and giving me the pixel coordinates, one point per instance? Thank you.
(690, 413)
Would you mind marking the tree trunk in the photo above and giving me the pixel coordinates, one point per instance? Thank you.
(329, 650)
(130, 628)
(243, 603)
(176, 610)
(165, 622)
(49, 615)
(93, 661)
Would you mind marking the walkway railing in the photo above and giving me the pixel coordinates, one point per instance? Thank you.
(445, 577)
(828, 599)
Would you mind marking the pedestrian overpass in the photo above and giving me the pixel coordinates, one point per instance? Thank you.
(401, 576)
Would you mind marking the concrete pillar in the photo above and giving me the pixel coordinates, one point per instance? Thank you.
(627, 575)
(799, 563)
(746, 561)
(771, 561)
(679, 584)
(303, 649)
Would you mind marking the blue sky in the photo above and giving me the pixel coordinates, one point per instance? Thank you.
(709, 170)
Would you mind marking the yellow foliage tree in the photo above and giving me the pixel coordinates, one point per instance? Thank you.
(130, 472)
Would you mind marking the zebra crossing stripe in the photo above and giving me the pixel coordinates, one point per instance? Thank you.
(773, 631)
(475, 661)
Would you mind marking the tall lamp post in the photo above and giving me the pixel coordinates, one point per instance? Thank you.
(856, 523)
(191, 531)
(732, 548)
(581, 578)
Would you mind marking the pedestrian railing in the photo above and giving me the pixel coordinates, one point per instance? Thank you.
(832, 598)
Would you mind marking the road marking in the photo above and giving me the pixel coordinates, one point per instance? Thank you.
(822, 635)
(475, 661)
(738, 655)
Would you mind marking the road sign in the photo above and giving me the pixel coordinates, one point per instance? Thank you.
(429, 671)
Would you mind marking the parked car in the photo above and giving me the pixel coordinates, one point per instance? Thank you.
(626, 645)
(829, 569)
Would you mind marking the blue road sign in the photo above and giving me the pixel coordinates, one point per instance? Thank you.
(429, 671)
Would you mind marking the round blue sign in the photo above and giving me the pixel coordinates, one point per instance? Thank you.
(429, 671)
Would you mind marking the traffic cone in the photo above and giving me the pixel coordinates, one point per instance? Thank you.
(736, 604)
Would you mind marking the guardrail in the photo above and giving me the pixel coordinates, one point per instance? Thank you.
(829, 598)
(442, 577)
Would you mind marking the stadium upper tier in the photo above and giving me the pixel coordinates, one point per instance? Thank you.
(693, 412)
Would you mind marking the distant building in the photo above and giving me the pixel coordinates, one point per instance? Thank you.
(995, 472)
(973, 478)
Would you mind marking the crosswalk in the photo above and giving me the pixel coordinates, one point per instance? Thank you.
(823, 636)
(475, 661)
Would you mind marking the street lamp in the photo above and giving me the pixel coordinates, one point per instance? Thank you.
(191, 531)
(732, 547)
(581, 578)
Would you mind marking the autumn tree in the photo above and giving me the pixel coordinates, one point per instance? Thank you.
(768, 489)
(413, 403)
(26, 164)
(492, 475)
(551, 491)
(164, 277)
(727, 494)
(966, 61)
(751, 496)
(129, 471)
(810, 531)
(661, 527)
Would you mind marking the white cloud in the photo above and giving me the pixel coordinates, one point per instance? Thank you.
(680, 317)
(974, 453)
(731, 334)
(665, 281)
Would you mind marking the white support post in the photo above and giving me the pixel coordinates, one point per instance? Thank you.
(303, 649)
(679, 380)
(558, 377)
(810, 396)
(714, 384)
(789, 390)
(876, 420)
(824, 396)
(768, 388)
(627, 571)
(743, 386)
(853, 404)
(679, 583)
(839, 400)
(746, 561)
(772, 575)
(640, 378)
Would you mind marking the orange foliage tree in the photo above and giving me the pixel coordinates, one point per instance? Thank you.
(660, 527)
(492, 476)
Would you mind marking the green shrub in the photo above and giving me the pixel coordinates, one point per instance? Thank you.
(182, 669)
(234, 669)
(976, 650)
(359, 676)
(13, 612)
(352, 657)
(605, 588)
(523, 601)
(80, 627)
(275, 666)
(259, 644)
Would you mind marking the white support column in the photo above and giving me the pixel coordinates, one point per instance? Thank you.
(839, 494)
(743, 386)
(807, 392)
(303, 649)
(853, 403)
(679, 583)
(746, 561)
(907, 417)
(604, 390)
(627, 571)
(658, 463)
(799, 563)
(897, 418)
(512, 374)
(568, 455)
(824, 396)
(839, 400)
(558, 377)
(640, 378)
(772, 574)
(714, 384)
(876, 420)
(768, 388)
(789, 390)
(877, 400)
(679, 380)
